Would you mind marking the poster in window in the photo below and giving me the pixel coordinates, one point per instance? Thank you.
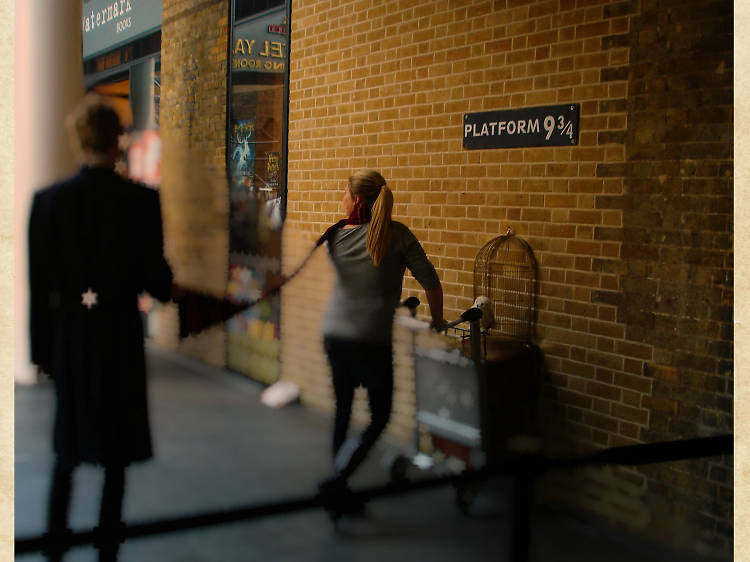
(242, 155)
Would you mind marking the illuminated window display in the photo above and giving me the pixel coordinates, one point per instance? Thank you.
(255, 160)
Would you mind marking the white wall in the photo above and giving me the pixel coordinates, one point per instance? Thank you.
(48, 83)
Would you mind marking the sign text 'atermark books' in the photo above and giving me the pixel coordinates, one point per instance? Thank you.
(105, 24)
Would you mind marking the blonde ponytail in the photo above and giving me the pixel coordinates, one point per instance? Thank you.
(379, 234)
(370, 186)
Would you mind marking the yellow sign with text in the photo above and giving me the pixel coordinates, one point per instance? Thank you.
(269, 57)
(260, 44)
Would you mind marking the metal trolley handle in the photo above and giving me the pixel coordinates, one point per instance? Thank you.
(411, 303)
(471, 315)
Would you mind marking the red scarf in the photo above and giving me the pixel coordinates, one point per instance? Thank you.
(360, 214)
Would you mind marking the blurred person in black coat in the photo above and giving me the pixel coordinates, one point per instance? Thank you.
(95, 243)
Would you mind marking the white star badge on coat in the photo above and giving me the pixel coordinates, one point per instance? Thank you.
(123, 141)
(121, 167)
(89, 298)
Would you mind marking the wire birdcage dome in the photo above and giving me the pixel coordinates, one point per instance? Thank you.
(505, 273)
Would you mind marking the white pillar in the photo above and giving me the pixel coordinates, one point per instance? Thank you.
(6, 283)
(48, 83)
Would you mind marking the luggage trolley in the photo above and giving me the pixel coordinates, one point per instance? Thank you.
(475, 400)
(449, 394)
(449, 390)
(477, 385)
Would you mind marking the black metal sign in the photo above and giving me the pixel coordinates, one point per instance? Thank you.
(552, 125)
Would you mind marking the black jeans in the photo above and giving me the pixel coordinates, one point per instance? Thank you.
(354, 364)
(109, 515)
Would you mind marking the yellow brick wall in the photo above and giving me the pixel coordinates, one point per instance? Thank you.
(385, 85)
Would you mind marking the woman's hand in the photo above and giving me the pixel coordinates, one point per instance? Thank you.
(438, 324)
(274, 282)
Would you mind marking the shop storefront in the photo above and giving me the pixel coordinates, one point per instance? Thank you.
(122, 52)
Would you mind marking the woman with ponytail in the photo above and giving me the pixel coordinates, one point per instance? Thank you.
(370, 253)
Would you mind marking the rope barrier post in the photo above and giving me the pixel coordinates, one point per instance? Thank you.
(523, 498)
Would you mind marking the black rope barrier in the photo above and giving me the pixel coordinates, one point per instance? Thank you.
(161, 526)
(665, 451)
(255, 511)
(648, 453)
(525, 467)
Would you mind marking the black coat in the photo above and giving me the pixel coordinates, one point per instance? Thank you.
(95, 231)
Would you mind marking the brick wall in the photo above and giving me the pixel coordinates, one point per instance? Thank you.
(194, 188)
(676, 272)
(631, 228)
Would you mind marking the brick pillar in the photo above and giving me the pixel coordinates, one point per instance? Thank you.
(194, 188)
(677, 279)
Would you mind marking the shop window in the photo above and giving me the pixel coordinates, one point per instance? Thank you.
(246, 8)
(255, 165)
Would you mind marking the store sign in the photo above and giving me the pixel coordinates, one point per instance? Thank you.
(554, 125)
(260, 43)
(110, 23)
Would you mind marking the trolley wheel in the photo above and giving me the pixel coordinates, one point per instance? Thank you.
(399, 468)
(466, 493)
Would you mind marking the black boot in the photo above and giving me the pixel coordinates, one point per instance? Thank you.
(107, 541)
(338, 499)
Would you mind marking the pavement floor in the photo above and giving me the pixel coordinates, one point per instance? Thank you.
(218, 448)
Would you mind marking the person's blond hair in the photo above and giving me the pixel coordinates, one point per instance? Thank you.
(370, 186)
(94, 126)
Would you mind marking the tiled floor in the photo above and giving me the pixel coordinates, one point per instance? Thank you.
(218, 448)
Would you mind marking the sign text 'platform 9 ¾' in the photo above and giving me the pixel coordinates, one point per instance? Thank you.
(554, 125)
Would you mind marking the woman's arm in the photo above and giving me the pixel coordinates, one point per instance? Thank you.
(424, 272)
(435, 302)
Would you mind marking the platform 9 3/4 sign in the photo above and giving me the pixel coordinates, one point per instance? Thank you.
(554, 125)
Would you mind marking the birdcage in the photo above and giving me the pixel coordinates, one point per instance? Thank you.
(505, 273)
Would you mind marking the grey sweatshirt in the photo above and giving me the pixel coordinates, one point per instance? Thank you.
(365, 296)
